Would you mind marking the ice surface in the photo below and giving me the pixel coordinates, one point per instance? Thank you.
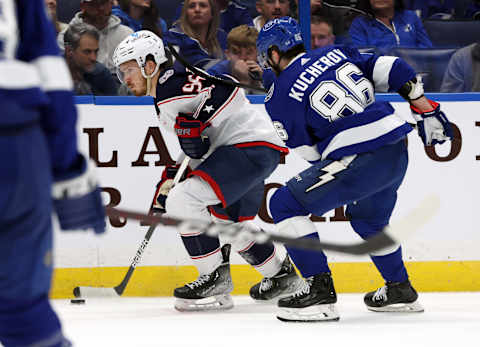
(450, 319)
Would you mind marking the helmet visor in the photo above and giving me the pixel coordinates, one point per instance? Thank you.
(124, 72)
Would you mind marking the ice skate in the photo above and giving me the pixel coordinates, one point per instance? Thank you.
(394, 297)
(207, 292)
(284, 283)
(314, 302)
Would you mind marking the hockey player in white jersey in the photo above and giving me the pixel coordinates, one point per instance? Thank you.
(41, 172)
(233, 149)
(323, 104)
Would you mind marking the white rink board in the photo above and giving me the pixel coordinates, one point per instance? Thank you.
(451, 235)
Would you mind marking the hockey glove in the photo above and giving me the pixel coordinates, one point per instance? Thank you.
(189, 134)
(164, 187)
(77, 198)
(433, 126)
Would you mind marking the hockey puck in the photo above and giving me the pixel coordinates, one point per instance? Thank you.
(77, 301)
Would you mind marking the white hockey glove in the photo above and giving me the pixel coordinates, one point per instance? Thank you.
(164, 187)
(77, 198)
(433, 126)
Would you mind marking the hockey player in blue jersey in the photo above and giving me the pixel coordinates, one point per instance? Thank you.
(323, 106)
(41, 172)
(232, 149)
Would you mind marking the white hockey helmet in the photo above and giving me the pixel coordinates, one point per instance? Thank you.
(138, 46)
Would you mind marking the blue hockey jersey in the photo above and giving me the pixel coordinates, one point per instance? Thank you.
(323, 104)
(34, 76)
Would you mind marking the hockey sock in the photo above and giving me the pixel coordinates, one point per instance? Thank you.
(309, 263)
(391, 266)
(28, 323)
(204, 251)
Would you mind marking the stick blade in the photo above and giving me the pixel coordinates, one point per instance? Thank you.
(94, 292)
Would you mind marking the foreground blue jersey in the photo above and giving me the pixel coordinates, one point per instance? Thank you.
(323, 104)
(33, 74)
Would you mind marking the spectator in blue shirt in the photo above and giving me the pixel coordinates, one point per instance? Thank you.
(241, 61)
(140, 14)
(389, 25)
(232, 14)
(463, 71)
(200, 20)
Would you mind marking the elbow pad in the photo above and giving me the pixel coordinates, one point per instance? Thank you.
(412, 90)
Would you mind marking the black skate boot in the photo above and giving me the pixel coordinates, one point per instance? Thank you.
(208, 292)
(314, 302)
(394, 297)
(284, 283)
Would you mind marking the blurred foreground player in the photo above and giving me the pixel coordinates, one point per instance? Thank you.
(233, 150)
(323, 104)
(39, 156)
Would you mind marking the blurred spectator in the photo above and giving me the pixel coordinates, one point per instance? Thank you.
(473, 10)
(99, 14)
(81, 48)
(270, 9)
(321, 29)
(436, 9)
(463, 71)
(241, 60)
(389, 25)
(200, 20)
(52, 14)
(140, 14)
(232, 14)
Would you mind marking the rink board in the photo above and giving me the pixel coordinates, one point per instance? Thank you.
(122, 134)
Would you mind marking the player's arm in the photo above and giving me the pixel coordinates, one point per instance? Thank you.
(76, 195)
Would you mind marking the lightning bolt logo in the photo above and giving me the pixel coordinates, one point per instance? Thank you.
(330, 170)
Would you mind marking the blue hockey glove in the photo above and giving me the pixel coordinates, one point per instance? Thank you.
(164, 187)
(433, 126)
(189, 134)
(77, 199)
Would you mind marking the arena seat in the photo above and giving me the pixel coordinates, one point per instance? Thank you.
(430, 63)
(452, 33)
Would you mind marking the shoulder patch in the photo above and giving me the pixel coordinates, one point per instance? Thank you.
(165, 76)
(270, 92)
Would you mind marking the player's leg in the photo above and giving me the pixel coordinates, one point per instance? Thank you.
(243, 191)
(223, 178)
(369, 216)
(26, 316)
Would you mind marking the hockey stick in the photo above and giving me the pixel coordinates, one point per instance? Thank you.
(389, 236)
(205, 75)
(86, 292)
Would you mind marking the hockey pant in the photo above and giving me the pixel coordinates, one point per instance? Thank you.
(367, 183)
(227, 187)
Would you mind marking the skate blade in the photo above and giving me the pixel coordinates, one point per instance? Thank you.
(315, 313)
(212, 303)
(415, 307)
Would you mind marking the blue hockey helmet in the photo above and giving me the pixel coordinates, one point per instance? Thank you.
(284, 33)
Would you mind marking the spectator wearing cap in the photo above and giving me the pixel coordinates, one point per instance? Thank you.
(99, 14)
(88, 75)
(140, 14)
(388, 25)
(270, 9)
